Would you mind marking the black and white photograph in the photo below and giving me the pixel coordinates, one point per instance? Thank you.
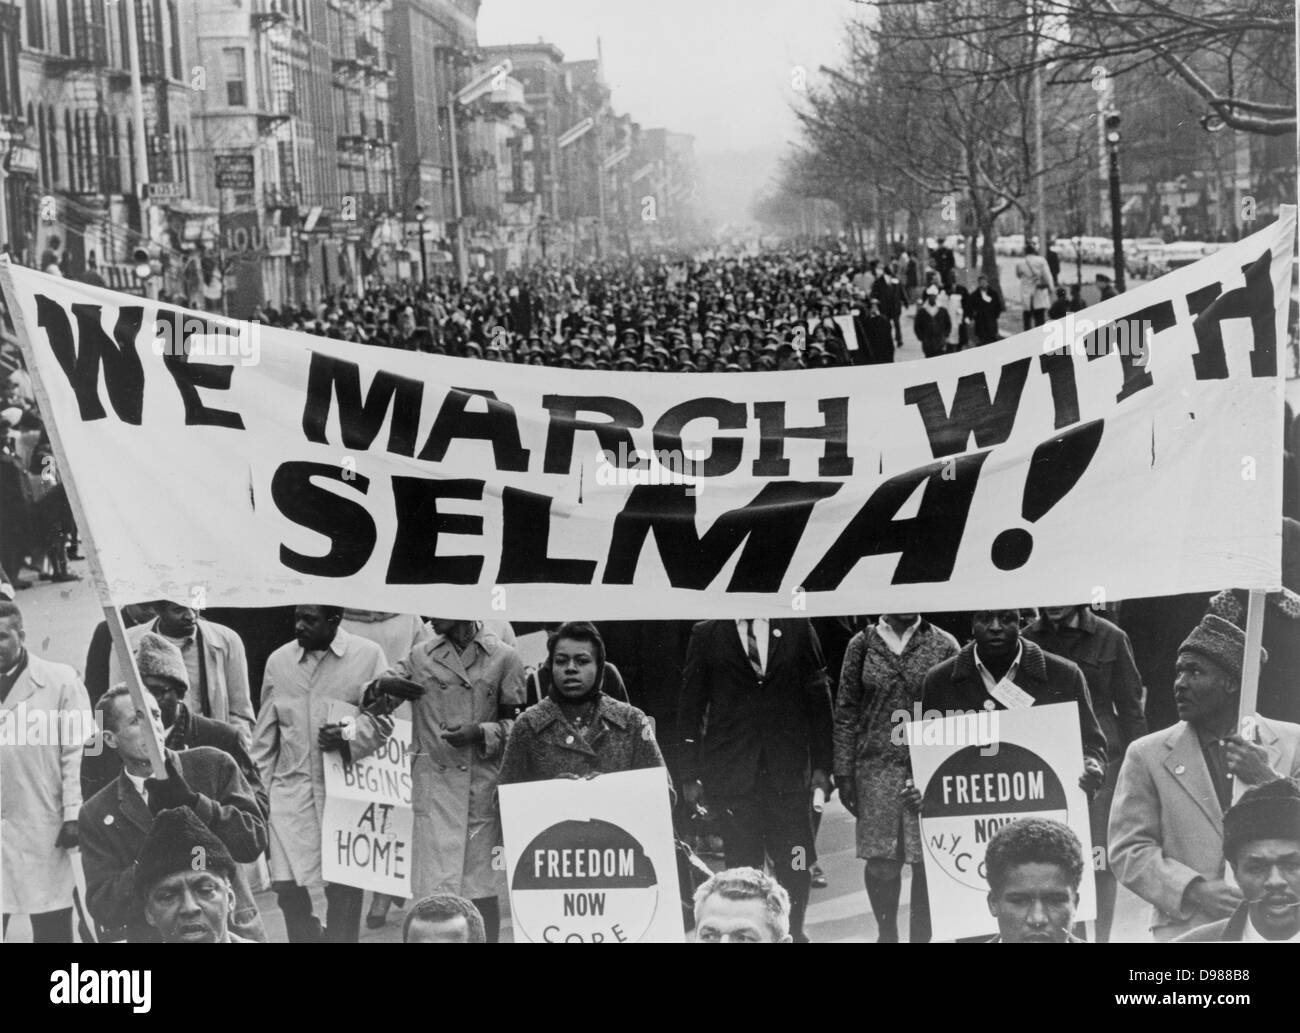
(583, 471)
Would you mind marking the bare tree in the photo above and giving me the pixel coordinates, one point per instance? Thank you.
(1238, 56)
(941, 111)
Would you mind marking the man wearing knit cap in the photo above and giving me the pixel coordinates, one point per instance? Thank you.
(163, 671)
(215, 662)
(1166, 822)
(1261, 840)
(185, 879)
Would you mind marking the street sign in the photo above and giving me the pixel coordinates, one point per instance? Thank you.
(616, 158)
(165, 191)
(22, 158)
(575, 133)
(488, 82)
(235, 172)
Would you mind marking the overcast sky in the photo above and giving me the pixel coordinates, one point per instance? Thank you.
(718, 69)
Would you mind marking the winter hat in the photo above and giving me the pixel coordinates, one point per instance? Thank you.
(179, 842)
(1220, 641)
(1268, 811)
(155, 655)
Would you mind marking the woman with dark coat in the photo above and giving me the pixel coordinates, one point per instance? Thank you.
(879, 687)
(578, 730)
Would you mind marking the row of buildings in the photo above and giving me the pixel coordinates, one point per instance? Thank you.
(279, 149)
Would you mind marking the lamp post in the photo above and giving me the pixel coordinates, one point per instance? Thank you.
(1116, 205)
(419, 222)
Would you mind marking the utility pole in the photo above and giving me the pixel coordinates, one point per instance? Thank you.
(1040, 207)
(137, 113)
(462, 272)
(1116, 203)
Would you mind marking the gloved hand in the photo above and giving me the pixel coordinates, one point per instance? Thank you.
(402, 688)
(848, 791)
(174, 791)
(68, 838)
(1093, 776)
(332, 736)
(463, 735)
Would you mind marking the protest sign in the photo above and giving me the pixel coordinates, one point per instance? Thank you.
(845, 323)
(979, 772)
(1021, 473)
(592, 860)
(366, 830)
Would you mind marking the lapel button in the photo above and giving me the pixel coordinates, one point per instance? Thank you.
(108, 819)
(1179, 770)
(776, 632)
(568, 741)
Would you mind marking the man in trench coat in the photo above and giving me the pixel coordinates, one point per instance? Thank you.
(474, 686)
(321, 666)
(42, 781)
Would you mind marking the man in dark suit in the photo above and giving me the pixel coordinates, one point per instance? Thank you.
(998, 670)
(115, 823)
(760, 686)
(162, 669)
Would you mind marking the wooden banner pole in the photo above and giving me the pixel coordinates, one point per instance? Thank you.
(1250, 677)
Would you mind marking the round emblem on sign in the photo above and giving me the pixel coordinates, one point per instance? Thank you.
(971, 796)
(584, 882)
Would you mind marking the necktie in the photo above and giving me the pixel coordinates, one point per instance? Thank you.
(754, 660)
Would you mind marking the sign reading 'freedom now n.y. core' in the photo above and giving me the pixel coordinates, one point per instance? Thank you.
(269, 466)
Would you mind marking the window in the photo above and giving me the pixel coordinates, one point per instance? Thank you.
(123, 37)
(45, 158)
(65, 29)
(35, 25)
(173, 20)
(71, 140)
(232, 60)
(113, 159)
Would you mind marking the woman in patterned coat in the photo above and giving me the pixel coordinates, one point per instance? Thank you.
(879, 685)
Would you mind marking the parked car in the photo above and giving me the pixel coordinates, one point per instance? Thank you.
(1010, 244)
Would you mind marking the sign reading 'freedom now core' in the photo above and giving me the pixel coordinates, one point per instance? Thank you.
(1016, 474)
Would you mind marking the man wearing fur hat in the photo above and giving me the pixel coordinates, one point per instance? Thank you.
(185, 879)
(1167, 820)
(1261, 840)
(162, 670)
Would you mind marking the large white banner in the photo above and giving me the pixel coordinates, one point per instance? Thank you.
(592, 860)
(245, 465)
(979, 772)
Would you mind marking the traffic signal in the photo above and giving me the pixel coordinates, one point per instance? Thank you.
(143, 267)
(1112, 127)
